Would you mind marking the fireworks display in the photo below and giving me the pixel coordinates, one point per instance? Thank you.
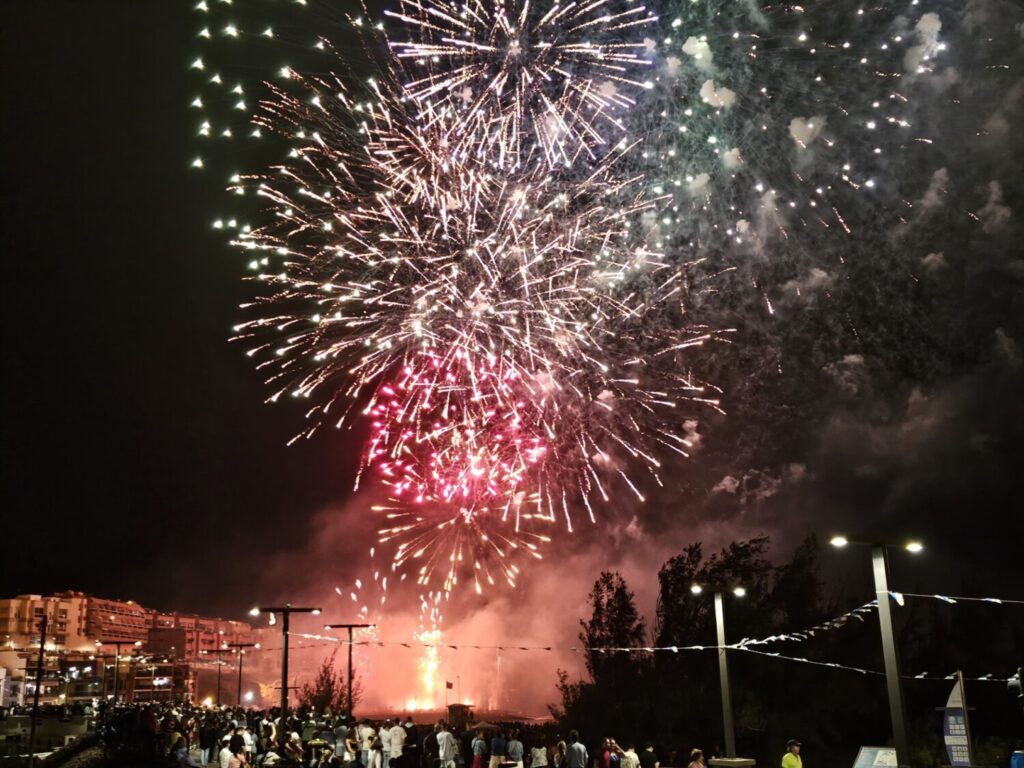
(530, 81)
(493, 253)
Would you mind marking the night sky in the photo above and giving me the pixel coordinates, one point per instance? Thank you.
(140, 461)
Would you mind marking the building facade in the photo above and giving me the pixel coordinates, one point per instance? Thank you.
(155, 654)
(186, 637)
(66, 615)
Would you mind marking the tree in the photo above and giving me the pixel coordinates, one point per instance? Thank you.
(614, 622)
(328, 689)
(796, 592)
(612, 701)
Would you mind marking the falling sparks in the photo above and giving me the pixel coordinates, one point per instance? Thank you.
(527, 80)
(513, 339)
(489, 253)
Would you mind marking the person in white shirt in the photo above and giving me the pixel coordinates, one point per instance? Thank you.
(366, 734)
(630, 759)
(250, 743)
(397, 741)
(385, 743)
(224, 756)
(539, 756)
(447, 747)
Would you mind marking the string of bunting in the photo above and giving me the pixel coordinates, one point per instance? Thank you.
(745, 645)
(922, 676)
(805, 634)
(857, 613)
(953, 600)
(988, 678)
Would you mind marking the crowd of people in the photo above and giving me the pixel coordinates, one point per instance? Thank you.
(196, 737)
(60, 711)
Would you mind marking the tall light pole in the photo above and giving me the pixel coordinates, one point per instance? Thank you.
(241, 655)
(286, 611)
(349, 627)
(723, 662)
(893, 678)
(35, 694)
(117, 657)
(220, 663)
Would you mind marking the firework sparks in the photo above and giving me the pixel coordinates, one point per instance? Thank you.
(517, 341)
(526, 79)
(476, 255)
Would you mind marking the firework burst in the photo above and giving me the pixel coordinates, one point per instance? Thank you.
(512, 330)
(532, 83)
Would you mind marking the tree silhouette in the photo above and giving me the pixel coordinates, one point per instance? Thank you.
(328, 690)
(614, 622)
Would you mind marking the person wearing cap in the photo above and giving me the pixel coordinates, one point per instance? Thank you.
(792, 757)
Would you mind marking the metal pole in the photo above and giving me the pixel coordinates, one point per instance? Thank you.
(219, 663)
(283, 737)
(35, 695)
(348, 701)
(117, 668)
(349, 627)
(723, 675)
(893, 681)
(967, 717)
(238, 696)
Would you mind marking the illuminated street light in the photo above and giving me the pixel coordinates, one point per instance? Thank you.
(723, 661)
(286, 611)
(893, 678)
(349, 627)
(220, 663)
(117, 658)
(241, 656)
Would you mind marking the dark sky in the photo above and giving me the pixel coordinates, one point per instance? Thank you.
(136, 448)
(140, 461)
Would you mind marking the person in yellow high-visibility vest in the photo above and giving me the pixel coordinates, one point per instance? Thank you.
(792, 757)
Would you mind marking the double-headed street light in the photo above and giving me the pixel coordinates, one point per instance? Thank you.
(286, 611)
(349, 627)
(117, 657)
(723, 661)
(893, 680)
(220, 663)
(240, 647)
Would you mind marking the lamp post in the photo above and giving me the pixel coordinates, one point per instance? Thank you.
(349, 627)
(241, 655)
(220, 663)
(893, 678)
(35, 694)
(117, 657)
(723, 662)
(286, 611)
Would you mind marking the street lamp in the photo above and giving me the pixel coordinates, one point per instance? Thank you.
(286, 611)
(723, 661)
(241, 655)
(220, 663)
(893, 680)
(117, 656)
(349, 627)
